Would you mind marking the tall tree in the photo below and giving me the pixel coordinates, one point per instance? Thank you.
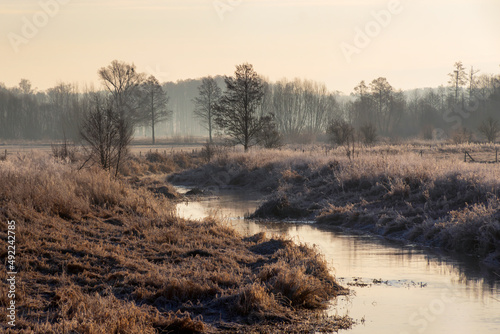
(205, 103)
(25, 86)
(490, 129)
(63, 99)
(101, 131)
(155, 101)
(361, 108)
(122, 81)
(236, 110)
(458, 78)
(381, 92)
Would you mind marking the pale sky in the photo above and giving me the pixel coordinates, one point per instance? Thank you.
(416, 46)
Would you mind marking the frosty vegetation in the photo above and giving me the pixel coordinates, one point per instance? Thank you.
(407, 192)
(100, 254)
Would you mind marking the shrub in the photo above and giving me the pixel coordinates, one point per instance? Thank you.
(369, 133)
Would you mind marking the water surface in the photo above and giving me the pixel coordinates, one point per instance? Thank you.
(395, 288)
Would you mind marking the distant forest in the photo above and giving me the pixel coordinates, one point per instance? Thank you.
(302, 109)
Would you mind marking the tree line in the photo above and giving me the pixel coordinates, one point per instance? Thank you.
(296, 110)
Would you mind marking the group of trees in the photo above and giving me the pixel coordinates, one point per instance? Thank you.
(301, 107)
(27, 114)
(291, 109)
(470, 103)
(130, 99)
(57, 113)
(237, 111)
(377, 104)
(267, 111)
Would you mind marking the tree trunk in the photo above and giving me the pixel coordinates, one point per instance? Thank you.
(152, 120)
(210, 125)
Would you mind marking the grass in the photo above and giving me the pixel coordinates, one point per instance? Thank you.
(95, 254)
(421, 193)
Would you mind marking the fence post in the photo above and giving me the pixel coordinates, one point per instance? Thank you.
(465, 156)
(496, 155)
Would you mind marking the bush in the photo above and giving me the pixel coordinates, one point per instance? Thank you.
(461, 136)
(155, 157)
(270, 137)
(490, 129)
(208, 151)
(369, 133)
(65, 151)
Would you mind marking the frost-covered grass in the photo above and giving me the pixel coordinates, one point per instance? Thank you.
(96, 254)
(396, 191)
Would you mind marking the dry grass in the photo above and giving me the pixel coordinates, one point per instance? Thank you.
(100, 255)
(392, 190)
(158, 163)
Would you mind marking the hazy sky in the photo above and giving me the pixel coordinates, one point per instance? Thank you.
(48, 41)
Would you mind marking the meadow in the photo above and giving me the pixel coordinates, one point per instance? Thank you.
(418, 192)
(97, 254)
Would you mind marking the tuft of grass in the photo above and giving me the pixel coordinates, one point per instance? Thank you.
(254, 299)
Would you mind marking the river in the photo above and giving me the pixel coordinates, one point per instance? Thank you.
(395, 288)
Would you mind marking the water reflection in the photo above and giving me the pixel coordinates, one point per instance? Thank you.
(396, 288)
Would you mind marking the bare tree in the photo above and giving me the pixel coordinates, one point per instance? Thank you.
(382, 93)
(361, 107)
(236, 110)
(269, 136)
(458, 78)
(63, 99)
(155, 102)
(288, 107)
(102, 130)
(122, 81)
(490, 129)
(342, 134)
(369, 132)
(205, 103)
(25, 86)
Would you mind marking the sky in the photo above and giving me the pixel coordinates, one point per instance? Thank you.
(413, 43)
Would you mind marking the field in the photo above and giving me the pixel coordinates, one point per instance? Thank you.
(96, 254)
(101, 254)
(138, 147)
(419, 193)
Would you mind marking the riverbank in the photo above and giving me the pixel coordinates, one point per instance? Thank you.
(96, 254)
(397, 192)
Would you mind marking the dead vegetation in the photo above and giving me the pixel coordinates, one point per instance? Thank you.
(96, 254)
(406, 192)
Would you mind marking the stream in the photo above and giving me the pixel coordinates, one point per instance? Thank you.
(395, 288)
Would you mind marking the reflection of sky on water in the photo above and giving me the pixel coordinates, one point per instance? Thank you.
(422, 291)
